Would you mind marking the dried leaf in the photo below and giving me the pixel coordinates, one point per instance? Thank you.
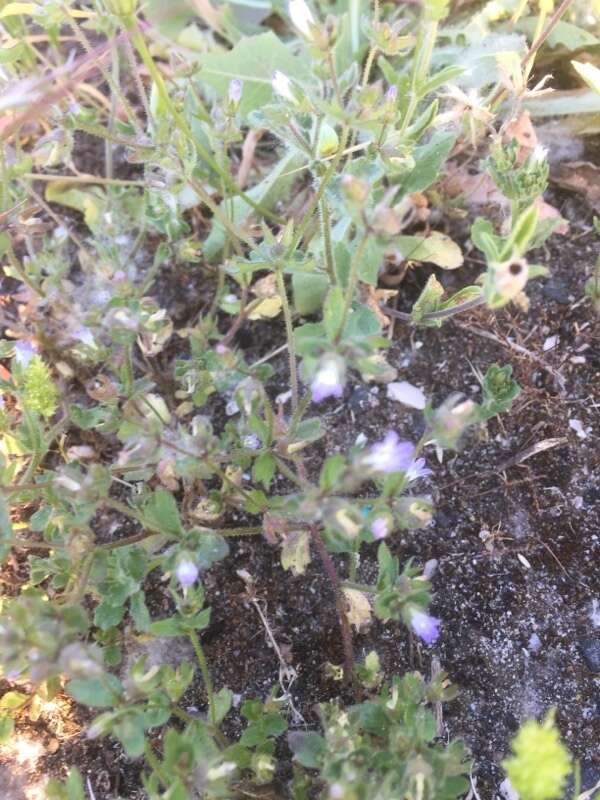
(358, 608)
(295, 552)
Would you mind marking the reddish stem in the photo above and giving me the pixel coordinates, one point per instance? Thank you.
(333, 576)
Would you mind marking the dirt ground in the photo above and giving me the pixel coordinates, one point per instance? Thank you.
(516, 538)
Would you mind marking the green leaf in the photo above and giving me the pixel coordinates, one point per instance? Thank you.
(7, 726)
(210, 548)
(565, 34)
(579, 101)
(108, 616)
(522, 233)
(199, 621)
(90, 202)
(429, 300)
(162, 513)
(263, 469)
(11, 700)
(139, 612)
(309, 291)
(437, 248)
(331, 471)
(333, 311)
(96, 692)
(373, 256)
(71, 789)
(223, 700)
(308, 748)
(171, 626)
(5, 529)
(253, 60)
(130, 733)
(428, 160)
(589, 73)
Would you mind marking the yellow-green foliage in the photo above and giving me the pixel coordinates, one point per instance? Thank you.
(39, 392)
(540, 764)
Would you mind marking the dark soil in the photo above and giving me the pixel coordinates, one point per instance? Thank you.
(516, 538)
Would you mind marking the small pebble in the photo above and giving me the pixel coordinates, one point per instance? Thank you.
(590, 650)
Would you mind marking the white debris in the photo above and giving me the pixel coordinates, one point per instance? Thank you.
(524, 561)
(550, 343)
(535, 643)
(406, 393)
(577, 426)
(595, 613)
(507, 791)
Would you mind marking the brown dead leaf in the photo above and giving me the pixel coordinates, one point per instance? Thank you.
(521, 129)
(547, 211)
(582, 177)
(372, 297)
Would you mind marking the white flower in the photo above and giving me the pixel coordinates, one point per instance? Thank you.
(301, 16)
(329, 379)
(406, 393)
(283, 86)
(538, 155)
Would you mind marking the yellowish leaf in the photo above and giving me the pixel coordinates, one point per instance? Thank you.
(266, 309)
(358, 608)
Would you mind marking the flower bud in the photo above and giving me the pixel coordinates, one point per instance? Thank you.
(356, 191)
(329, 142)
(302, 17)
(236, 87)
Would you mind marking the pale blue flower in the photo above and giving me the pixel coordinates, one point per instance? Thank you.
(425, 626)
(390, 455)
(187, 573)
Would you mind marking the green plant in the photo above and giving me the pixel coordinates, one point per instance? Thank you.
(109, 405)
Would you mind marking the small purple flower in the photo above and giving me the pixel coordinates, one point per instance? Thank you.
(85, 336)
(390, 455)
(187, 573)
(425, 626)
(328, 380)
(24, 352)
(235, 90)
(392, 94)
(380, 528)
(417, 470)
